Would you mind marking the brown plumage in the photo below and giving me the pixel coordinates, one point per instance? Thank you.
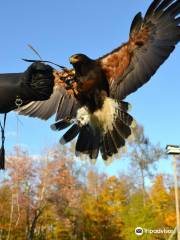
(91, 104)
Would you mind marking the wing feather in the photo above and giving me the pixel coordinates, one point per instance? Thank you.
(62, 103)
(42, 109)
(151, 41)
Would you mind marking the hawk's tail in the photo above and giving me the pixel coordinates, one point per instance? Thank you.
(103, 131)
(108, 135)
(114, 138)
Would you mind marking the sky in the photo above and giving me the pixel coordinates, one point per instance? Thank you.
(58, 29)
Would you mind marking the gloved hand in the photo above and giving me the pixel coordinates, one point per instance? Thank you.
(35, 84)
(38, 82)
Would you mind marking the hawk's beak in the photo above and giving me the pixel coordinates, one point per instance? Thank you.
(73, 59)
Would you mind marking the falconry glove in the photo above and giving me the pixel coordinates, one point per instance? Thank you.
(35, 84)
(18, 89)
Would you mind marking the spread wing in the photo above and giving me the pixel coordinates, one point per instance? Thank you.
(62, 101)
(151, 41)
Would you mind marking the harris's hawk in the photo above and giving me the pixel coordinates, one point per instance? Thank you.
(89, 98)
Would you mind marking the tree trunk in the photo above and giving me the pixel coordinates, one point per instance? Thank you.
(33, 225)
(143, 186)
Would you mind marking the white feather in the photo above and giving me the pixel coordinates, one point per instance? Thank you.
(83, 116)
(102, 118)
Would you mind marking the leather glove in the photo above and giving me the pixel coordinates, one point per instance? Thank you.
(35, 84)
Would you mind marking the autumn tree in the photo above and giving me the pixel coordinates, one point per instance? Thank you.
(102, 205)
(57, 196)
(143, 156)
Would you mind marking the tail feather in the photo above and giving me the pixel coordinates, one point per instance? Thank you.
(119, 141)
(95, 144)
(70, 134)
(88, 142)
(124, 106)
(114, 141)
(60, 125)
(123, 129)
(125, 118)
(103, 151)
(111, 144)
(84, 141)
(81, 141)
(111, 141)
(107, 146)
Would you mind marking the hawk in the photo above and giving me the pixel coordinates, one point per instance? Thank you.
(89, 98)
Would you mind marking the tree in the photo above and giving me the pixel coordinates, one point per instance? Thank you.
(56, 197)
(143, 155)
(27, 185)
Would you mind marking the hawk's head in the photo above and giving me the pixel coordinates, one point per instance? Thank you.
(79, 59)
(82, 64)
